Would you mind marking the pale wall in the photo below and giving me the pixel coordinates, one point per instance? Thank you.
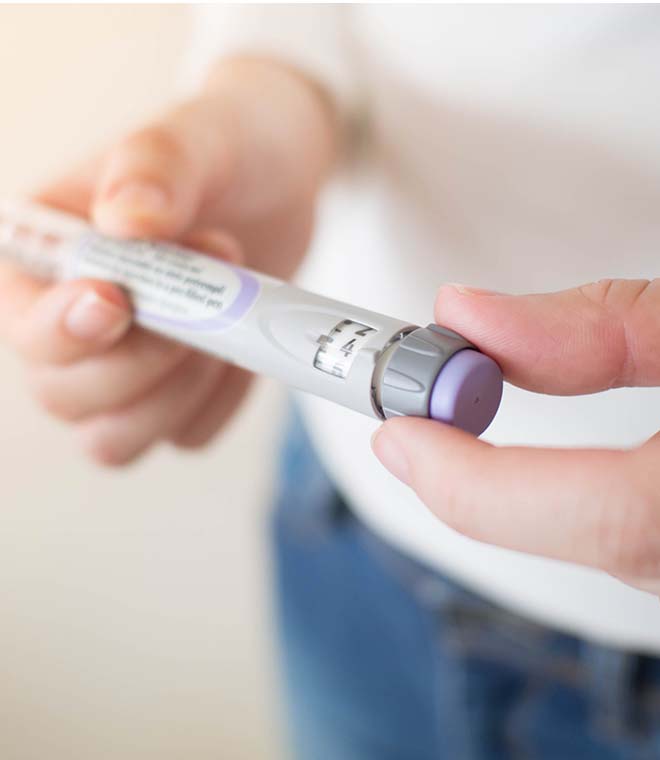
(134, 619)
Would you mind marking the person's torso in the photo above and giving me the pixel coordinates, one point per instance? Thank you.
(515, 148)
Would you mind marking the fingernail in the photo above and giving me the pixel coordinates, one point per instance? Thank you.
(391, 455)
(136, 199)
(91, 317)
(464, 290)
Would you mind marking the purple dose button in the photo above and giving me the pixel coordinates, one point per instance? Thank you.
(467, 392)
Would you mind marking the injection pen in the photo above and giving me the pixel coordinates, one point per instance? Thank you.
(369, 362)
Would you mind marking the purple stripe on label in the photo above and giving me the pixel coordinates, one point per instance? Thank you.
(247, 295)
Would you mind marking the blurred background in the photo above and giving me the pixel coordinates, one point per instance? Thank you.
(134, 605)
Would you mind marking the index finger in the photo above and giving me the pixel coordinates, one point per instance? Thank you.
(73, 191)
(591, 338)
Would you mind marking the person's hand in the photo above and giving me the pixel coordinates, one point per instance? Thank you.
(594, 507)
(234, 172)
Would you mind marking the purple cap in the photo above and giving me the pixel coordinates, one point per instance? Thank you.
(467, 391)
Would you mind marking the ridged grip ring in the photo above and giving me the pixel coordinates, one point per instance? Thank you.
(412, 369)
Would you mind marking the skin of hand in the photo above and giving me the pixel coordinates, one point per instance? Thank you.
(235, 172)
(594, 507)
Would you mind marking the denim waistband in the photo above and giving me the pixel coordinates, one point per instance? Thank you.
(624, 686)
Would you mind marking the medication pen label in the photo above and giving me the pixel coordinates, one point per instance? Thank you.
(170, 286)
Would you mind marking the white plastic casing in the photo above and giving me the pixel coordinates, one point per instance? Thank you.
(250, 319)
(369, 362)
(279, 335)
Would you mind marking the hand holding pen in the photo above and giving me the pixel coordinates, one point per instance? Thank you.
(595, 507)
(213, 173)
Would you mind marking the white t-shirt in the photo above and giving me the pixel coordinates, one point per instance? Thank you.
(510, 147)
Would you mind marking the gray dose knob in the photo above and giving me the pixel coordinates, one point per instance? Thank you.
(433, 372)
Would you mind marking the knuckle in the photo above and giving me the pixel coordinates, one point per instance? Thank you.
(444, 499)
(104, 444)
(617, 294)
(192, 441)
(50, 397)
(104, 450)
(597, 292)
(188, 444)
(618, 306)
(629, 534)
(159, 141)
(460, 515)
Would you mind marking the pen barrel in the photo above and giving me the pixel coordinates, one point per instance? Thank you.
(375, 364)
(309, 342)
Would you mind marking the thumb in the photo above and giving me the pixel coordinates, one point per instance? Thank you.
(152, 183)
(594, 506)
(587, 339)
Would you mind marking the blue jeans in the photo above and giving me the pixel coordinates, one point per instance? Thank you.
(385, 659)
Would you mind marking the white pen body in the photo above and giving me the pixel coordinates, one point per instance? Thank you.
(375, 364)
(307, 341)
